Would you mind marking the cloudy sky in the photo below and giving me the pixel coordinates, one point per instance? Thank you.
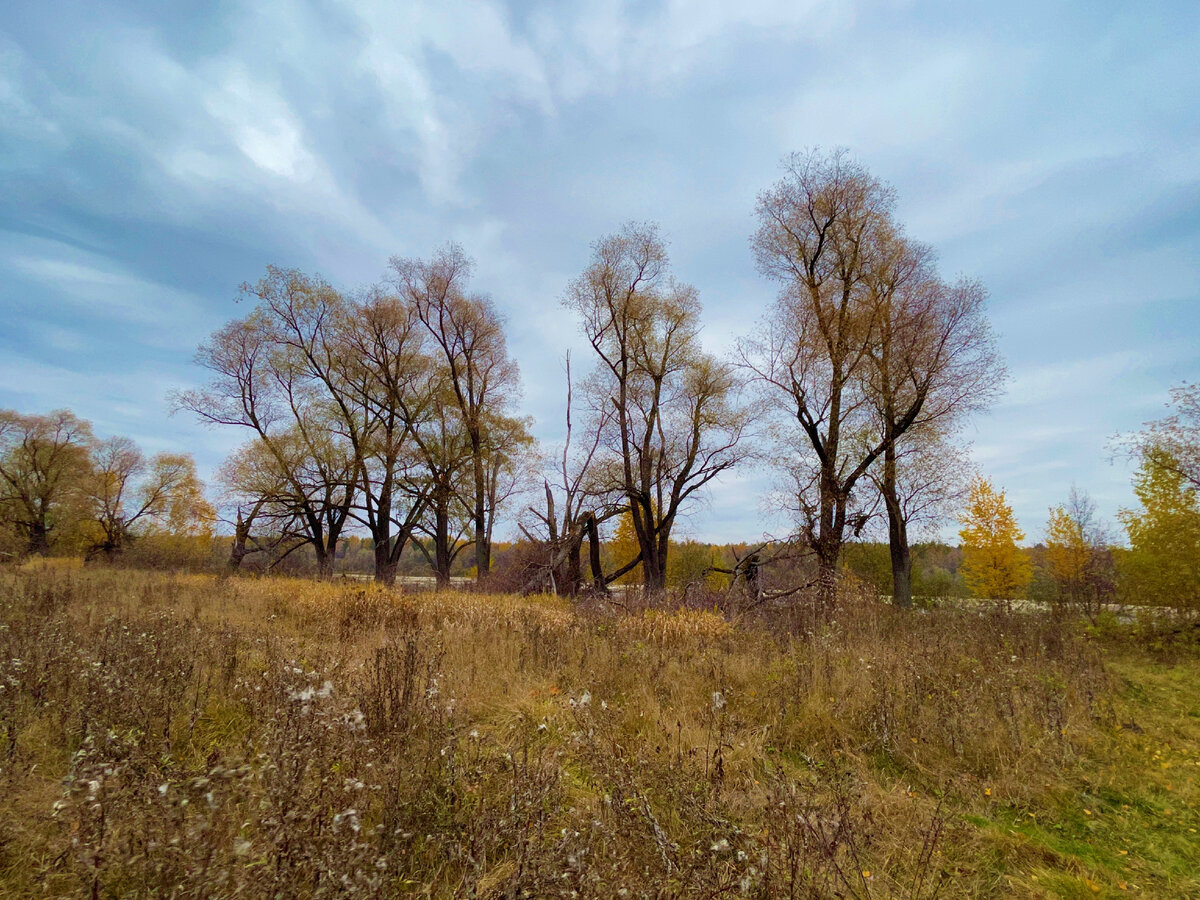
(153, 158)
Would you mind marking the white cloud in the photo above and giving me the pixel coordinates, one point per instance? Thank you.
(444, 119)
(262, 126)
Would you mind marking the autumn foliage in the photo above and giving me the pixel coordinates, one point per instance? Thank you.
(993, 565)
(1162, 566)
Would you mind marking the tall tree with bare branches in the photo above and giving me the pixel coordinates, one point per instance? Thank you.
(932, 362)
(384, 377)
(467, 334)
(263, 380)
(821, 230)
(673, 421)
(254, 497)
(863, 344)
(576, 503)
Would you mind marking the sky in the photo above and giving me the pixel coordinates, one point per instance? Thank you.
(154, 156)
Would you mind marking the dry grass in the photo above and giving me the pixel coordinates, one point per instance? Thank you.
(188, 736)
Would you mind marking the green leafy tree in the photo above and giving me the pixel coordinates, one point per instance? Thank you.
(1162, 566)
(692, 563)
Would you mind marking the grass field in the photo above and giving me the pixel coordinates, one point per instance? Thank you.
(189, 736)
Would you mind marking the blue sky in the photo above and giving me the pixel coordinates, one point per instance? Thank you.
(152, 158)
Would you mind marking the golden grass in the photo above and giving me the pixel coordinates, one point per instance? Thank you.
(341, 738)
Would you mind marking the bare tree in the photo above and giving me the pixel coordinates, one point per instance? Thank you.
(445, 452)
(863, 344)
(384, 375)
(933, 362)
(364, 406)
(261, 382)
(256, 494)
(512, 466)
(672, 419)
(820, 230)
(1173, 443)
(575, 505)
(468, 333)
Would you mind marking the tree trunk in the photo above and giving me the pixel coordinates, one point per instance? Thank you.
(828, 545)
(385, 565)
(594, 563)
(441, 540)
(593, 536)
(752, 568)
(39, 539)
(324, 560)
(483, 547)
(653, 558)
(828, 554)
(654, 574)
(574, 574)
(898, 547)
(237, 552)
(901, 562)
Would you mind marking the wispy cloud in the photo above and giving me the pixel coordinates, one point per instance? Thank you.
(93, 290)
(1052, 383)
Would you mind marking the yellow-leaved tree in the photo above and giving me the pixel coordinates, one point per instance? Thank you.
(993, 566)
(624, 547)
(1078, 552)
(1067, 551)
(1162, 566)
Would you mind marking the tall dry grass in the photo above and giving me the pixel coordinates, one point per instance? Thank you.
(188, 736)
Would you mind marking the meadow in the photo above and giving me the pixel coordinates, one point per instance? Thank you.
(196, 736)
